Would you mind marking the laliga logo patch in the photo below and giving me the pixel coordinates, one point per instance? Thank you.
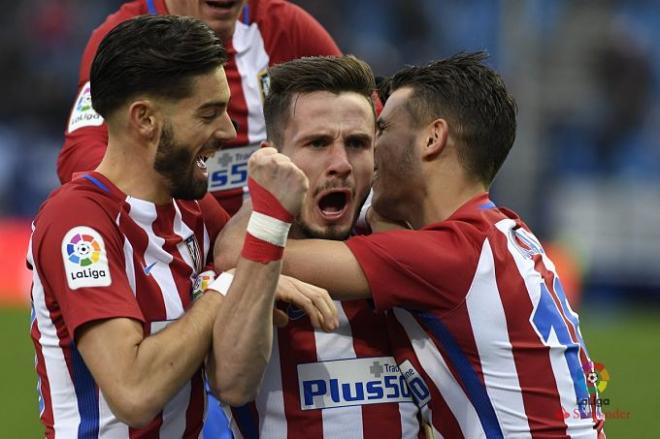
(85, 259)
(83, 113)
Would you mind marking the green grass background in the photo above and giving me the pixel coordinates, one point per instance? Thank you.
(627, 343)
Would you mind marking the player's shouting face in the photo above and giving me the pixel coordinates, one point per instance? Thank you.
(194, 128)
(330, 137)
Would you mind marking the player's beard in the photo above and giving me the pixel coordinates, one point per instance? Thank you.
(177, 165)
(303, 230)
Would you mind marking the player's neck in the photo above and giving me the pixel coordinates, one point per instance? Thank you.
(445, 195)
(131, 171)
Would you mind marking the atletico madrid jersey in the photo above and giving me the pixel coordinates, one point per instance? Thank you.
(341, 384)
(268, 32)
(97, 253)
(481, 327)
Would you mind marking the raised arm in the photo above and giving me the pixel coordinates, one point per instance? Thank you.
(242, 335)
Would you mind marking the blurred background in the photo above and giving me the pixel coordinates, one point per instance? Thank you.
(584, 172)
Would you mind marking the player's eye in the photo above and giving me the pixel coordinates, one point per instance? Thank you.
(318, 142)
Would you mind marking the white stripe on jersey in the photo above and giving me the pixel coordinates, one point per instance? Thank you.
(130, 266)
(63, 401)
(434, 364)
(174, 419)
(339, 421)
(158, 260)
(497, 365)
(272, 402)
(577, 428)
(251, 58)
(409, 423)
(111, 427)
(207, 246)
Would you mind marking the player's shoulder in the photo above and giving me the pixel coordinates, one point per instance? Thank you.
(279, 15)
(79, 200)
(273, 10)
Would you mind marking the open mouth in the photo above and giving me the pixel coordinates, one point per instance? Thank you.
(221, 5)
(334, 203)
(202, 157)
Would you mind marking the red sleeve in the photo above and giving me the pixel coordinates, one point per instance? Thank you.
(78, 254)
(417, 270)
(215, 218)
(290, 32)
(86, 136)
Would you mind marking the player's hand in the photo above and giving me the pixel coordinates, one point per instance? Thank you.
(277, 173)
(315, 301)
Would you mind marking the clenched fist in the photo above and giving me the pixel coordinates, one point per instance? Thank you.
(277, 173)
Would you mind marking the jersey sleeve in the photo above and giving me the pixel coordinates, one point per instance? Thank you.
(86, 135)
(417, 270)
(78, 254)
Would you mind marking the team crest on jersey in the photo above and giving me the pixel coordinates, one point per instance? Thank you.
(83, 114)
(195, 253)
(264, 83)
(85, 259)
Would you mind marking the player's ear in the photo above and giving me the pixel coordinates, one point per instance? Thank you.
(143, 119)
(436, 139)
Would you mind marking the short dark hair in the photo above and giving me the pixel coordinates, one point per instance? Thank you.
(153, 55)
(334, 74)
(473, 99)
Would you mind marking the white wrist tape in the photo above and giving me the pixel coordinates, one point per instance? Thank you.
(268, 229)
(222, 283)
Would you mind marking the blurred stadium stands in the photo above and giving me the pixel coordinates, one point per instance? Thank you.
(585, 169)
(584, 172)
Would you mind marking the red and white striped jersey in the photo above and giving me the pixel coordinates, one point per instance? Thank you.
(481, 327)
(343, 384)
(268, 32)
(95, 254)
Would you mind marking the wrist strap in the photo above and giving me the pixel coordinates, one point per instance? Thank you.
(268, 227)
(221, 284)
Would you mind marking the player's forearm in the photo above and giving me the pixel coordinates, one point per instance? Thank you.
(243, 332)
(326, 264)
(165, 361)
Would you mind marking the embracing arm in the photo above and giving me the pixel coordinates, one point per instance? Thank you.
(139, 374)
(327, 264)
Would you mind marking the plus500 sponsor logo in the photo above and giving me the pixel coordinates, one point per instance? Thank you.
(344, 383)
(389, 389)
